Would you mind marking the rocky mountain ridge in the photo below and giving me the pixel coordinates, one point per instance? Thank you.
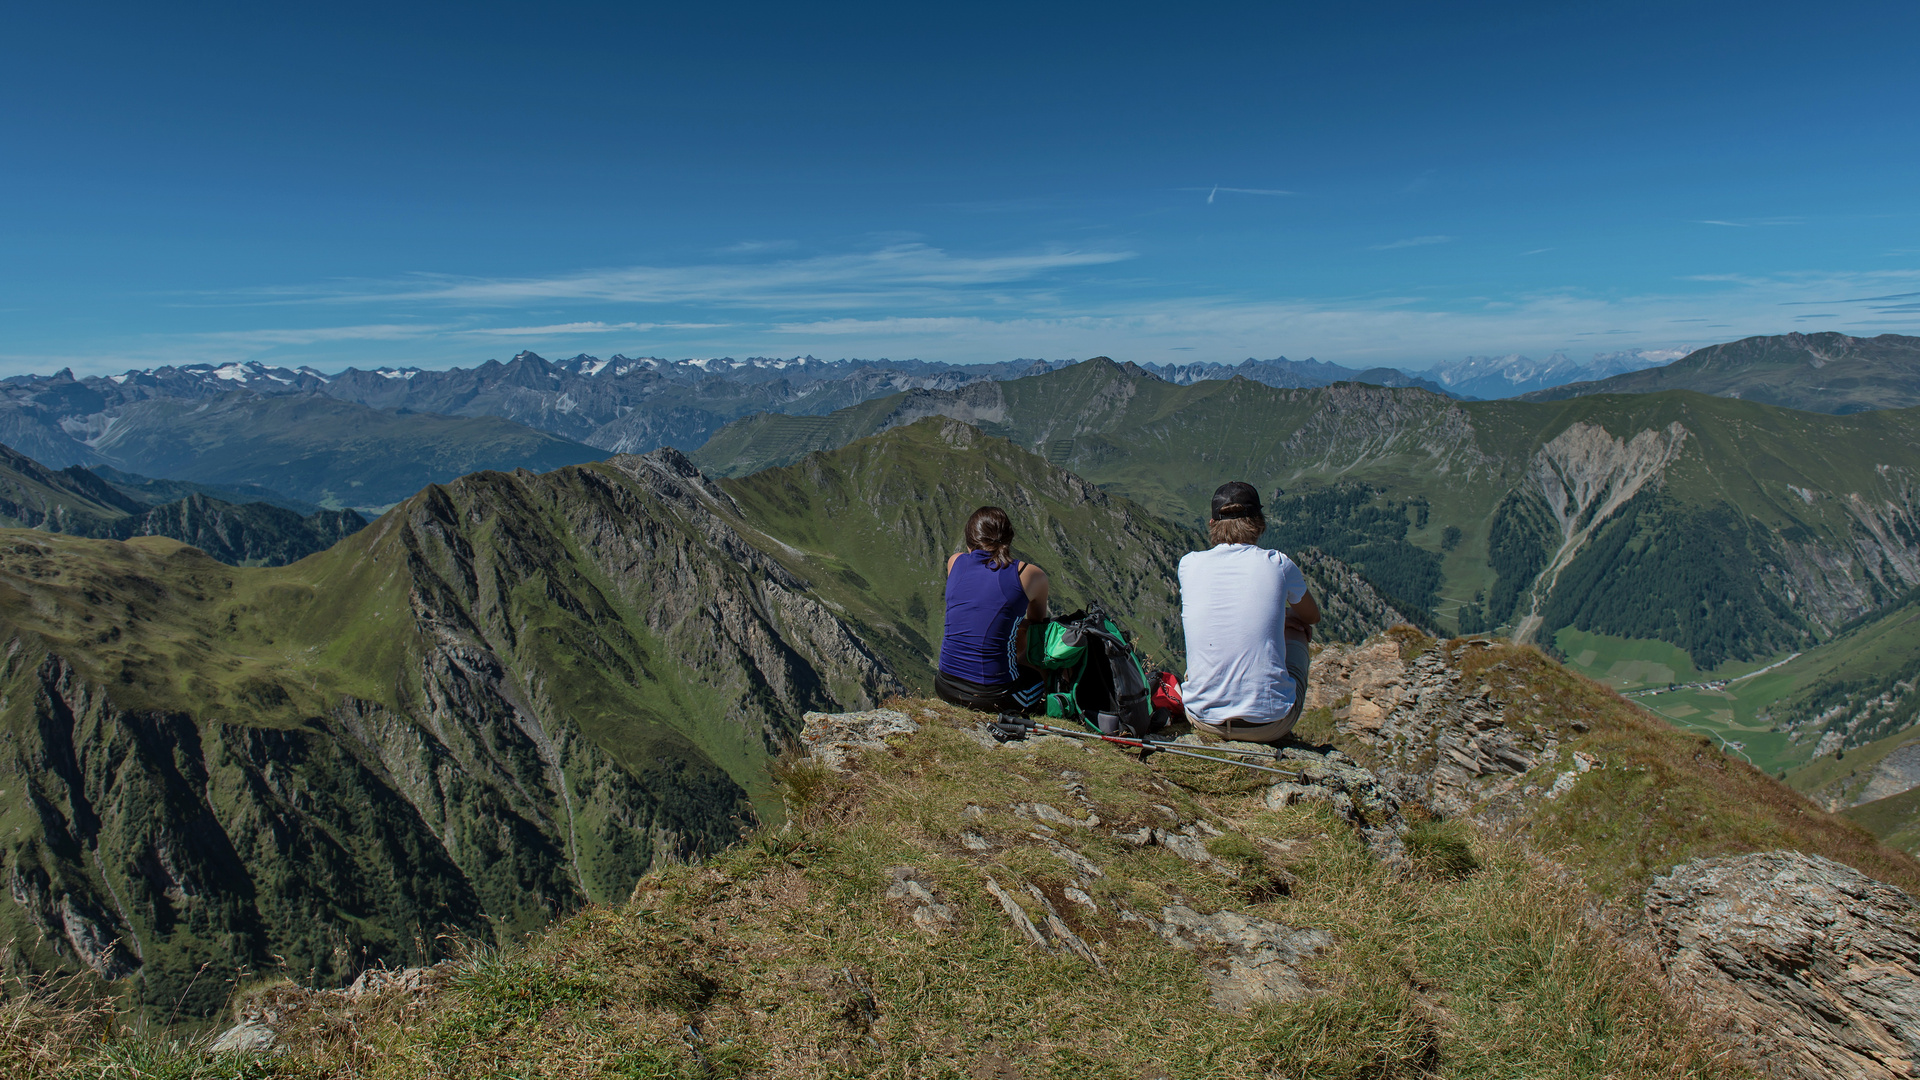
(618, 405)
(1826, 372)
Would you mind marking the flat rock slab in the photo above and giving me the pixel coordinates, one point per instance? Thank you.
(1815, 964)
(834, 738)
(1255, 960)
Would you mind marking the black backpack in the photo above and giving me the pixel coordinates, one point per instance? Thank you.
(1094, 674)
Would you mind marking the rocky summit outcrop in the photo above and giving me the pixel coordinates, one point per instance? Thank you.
(1439, 741)
(1812, 964)
(1246, 960)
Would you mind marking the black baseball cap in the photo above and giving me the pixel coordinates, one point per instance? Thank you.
(1243, 497)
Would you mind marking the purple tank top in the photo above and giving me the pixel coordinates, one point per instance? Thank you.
(984, 607)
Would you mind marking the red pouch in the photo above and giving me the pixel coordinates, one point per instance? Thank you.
(1166, 692)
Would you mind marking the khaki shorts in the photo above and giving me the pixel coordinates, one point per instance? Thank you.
(1270, 731)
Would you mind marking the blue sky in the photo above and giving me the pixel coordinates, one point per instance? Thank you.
(1389, 183)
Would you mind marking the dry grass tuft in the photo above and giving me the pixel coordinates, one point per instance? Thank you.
(46, 1022)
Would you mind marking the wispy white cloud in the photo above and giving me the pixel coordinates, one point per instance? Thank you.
(897, 273)
(1413, 241)
(1214, 191)
(758, 247)
(1751, 222)
(556, 329)
(911, 300)
(1372, 330)
(314, 335)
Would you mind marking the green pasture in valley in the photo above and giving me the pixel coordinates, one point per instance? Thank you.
(1730, 714)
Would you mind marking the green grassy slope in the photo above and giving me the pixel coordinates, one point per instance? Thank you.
(1828, 372)
(876, 520)
(34, 496)
(509, 696)
(1894, 819)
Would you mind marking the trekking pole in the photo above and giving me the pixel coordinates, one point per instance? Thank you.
(1161, 748)
(1162, 744)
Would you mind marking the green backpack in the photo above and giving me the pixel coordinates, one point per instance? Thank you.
(1094, 674)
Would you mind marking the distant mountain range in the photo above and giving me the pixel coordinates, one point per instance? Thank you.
(223, 523)
(1828, 372)
(1489, 377)
(1283, 372)
(370, 438)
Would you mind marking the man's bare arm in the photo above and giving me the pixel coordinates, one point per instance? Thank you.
(1306, 611)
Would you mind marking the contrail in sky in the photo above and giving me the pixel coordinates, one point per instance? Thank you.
(1217, 189)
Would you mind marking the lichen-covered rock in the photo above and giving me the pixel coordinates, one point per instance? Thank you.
(1814, 964)
(1439, 744)
(1252, 960)
(833, 738)
(263, 1021)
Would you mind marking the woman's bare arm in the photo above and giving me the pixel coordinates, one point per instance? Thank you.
(1034, 581)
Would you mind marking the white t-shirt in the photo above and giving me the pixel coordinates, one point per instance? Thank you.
(1233, 603)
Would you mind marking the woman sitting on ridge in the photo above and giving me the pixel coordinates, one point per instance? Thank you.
(991, 598)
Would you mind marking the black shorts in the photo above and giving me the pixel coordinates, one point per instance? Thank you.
(1028, 695)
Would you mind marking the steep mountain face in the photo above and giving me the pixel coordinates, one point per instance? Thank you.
(1783, 524)
(257, 534)
(1828, 372)
(79, 502)
(512, 695)
(1513, 374)
(33, 496)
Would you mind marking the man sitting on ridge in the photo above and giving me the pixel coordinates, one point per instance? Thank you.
(1248, 617)
(991, 598)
